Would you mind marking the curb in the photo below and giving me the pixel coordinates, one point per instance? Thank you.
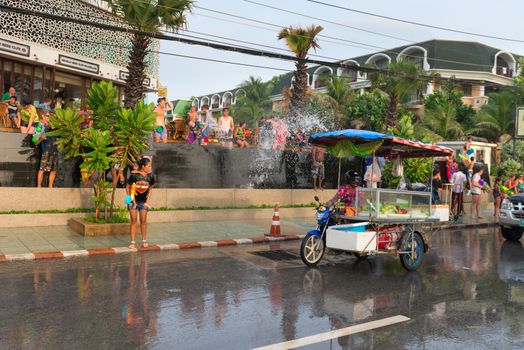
(151, 248)
(185, 245)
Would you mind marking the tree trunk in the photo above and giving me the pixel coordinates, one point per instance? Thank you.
(392, 111)
(298, 94)
(134, 88)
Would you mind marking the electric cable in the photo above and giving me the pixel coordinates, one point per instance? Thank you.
(412, 22)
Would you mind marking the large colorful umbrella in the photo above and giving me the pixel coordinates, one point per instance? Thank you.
(353, 142)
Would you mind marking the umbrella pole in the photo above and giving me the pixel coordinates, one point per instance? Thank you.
(339, 168)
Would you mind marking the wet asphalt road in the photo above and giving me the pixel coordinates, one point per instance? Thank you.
(469, 294)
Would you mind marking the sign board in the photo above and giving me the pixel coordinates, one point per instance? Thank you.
(16, 48)
(162, 92)
(123, 76)
(75, 63)
(519, 123)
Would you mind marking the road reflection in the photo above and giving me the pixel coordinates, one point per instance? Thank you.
(471, 285)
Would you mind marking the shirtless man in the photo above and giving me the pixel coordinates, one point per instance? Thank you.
(317, 169)
(160, 131)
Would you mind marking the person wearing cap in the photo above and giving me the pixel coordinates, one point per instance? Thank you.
(348, 192)
(28, 116)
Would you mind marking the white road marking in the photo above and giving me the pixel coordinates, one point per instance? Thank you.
(318, 338)
(71, 253)
(208, 244)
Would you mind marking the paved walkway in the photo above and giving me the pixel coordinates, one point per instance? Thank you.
(59, 241)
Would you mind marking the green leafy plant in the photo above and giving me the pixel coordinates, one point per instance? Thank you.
(101, 99)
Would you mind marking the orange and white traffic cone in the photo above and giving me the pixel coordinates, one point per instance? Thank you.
(275, 223)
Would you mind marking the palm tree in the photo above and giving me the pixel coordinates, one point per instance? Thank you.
(337, 96)
(300, 40)
(256, 100)
(401, 80)
(146, 16)
(440, 122)
(496, 120)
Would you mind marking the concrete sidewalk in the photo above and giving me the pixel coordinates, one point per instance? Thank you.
(27, 243)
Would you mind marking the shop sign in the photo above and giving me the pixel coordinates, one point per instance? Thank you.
(520, 123)
(162, 92)
(16, 48)
(78, 64)
(123, 76)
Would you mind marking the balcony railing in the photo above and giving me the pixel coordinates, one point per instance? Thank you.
(505, 71)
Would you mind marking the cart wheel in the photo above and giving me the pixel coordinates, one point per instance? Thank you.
(312, 250)
(415, 247)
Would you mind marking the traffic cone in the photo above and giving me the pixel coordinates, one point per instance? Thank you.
(275, 223)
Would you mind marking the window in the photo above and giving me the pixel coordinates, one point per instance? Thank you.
(68, 90)
(466, 89)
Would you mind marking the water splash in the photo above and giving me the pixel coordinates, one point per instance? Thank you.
(280, 140)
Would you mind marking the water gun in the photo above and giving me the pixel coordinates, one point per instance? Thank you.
(130, 199)
(463, 157)
(506, 190)
(159, 129)
(484, 185)
(39, 130)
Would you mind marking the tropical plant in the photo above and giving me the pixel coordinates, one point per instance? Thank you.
(368, 110)
(440, 122)
(415, 169)
(146, 16)
(300, 41)
(510, 167)
(519, 79)
(255, 103)
(465, 115)
(118, 136)
(338, 95)
(496, 120)
(402, 79)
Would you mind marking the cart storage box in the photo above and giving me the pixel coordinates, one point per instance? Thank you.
(352, 237)
(440, 211)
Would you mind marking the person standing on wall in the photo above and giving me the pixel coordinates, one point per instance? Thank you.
(142, 181)
(160, 131)
(226, 125)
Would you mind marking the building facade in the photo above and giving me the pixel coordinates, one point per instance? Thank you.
(477, 68)
(46, 58)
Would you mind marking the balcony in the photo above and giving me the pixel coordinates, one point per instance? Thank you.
(505, 71)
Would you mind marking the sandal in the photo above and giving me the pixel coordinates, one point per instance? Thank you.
(144, 244)
(132, 245)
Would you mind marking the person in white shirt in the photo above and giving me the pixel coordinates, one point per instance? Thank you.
(458, 179)
(476, 191)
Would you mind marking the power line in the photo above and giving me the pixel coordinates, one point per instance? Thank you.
(411, 22)
(214, 45)
(327, 21)
(382, 49)
(386, 50)
(158, 52)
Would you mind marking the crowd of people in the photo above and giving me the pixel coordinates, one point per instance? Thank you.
(272, 132)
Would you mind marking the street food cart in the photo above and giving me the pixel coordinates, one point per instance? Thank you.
(382, 221)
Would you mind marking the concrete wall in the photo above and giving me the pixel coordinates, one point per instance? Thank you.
(31, 199)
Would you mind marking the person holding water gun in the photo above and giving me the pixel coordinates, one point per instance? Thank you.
(509, 186)
(476, 191)
(139, 189)
(240, 135)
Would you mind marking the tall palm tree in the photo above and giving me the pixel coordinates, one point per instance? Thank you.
(146, 16)
(496, 120)
(256, 100)
(401, 80)
(300, 41)
(440, 122)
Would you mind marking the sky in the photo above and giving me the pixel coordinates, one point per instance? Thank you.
(186, 77)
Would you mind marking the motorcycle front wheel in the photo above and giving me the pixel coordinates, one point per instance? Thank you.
(312, 250)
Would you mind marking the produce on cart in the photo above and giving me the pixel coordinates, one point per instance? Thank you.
(385, 221)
